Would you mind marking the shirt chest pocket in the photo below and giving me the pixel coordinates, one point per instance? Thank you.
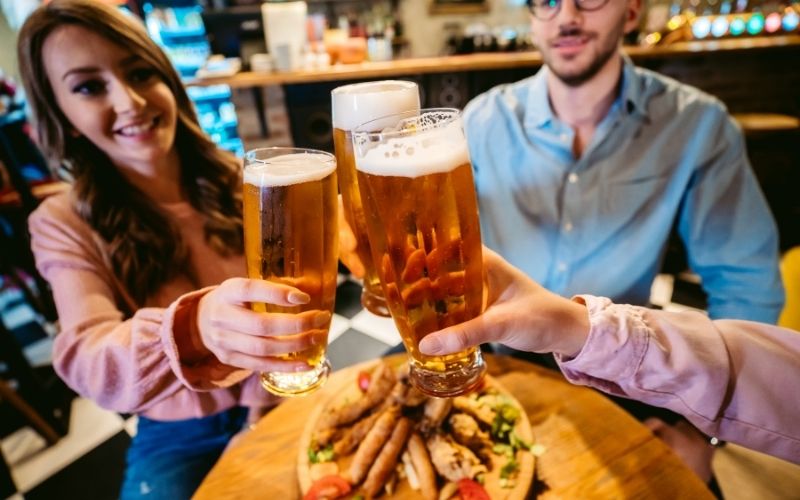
(630, 203)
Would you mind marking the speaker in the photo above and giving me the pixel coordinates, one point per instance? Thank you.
(447, 90)
(309, 107)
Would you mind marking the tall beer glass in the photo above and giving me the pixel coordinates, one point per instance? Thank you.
(422, 219)
(353, 105)
(291, 237)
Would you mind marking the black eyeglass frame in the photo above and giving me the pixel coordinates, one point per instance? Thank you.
(533, 4)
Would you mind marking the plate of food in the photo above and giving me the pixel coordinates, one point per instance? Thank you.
(375, 435)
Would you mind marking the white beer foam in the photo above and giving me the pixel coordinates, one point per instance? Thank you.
(289, 169)
(428, 152)
(359, 103)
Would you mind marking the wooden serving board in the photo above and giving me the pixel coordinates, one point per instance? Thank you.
(593, 449)
(346, 388)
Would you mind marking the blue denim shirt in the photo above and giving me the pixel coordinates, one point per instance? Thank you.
(665, 153)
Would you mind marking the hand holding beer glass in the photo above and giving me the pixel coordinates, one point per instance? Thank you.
(353, 105)
(421, 211)
(290, 235)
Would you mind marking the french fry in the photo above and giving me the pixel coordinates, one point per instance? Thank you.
(436, 409)
(423, 467)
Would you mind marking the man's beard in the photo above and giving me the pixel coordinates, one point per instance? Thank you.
(581, 77)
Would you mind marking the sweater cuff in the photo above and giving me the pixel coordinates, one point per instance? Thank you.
(614, 349)
(194, 365)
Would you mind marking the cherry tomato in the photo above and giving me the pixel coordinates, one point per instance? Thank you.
(327, 488)
(363, 381)
(470, 490)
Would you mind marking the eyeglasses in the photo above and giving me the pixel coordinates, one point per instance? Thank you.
(548, 9)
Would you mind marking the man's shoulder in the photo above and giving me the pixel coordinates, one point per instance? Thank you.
(507, 97)
(668, 95)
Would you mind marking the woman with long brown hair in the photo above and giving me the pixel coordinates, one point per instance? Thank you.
(144, 252)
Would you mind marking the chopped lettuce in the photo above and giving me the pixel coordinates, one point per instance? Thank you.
(503, 449)
(319, 456)
(504, 420)
(509, 470)
(517, 442)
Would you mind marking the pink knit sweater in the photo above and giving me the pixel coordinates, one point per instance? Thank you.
(135, 364)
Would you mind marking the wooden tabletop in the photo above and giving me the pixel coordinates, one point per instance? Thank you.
(593, 449)
(481, 62)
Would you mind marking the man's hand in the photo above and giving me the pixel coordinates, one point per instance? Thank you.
(348, 245)
(520, 314)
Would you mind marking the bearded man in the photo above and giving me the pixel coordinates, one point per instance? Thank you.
(583, 169)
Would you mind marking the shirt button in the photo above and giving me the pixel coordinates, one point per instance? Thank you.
(561, 266)
(572, 178)
(564, 137)
(568, 226)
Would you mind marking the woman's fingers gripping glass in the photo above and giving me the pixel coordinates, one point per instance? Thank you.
(247, 339)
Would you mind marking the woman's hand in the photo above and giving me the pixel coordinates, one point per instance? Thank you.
(521, 314)
(241, 337)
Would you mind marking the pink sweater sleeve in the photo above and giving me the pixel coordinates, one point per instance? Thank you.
(736, 380)
(127, 365)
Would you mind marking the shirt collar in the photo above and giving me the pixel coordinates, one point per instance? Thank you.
(632, 93)
(539, 113)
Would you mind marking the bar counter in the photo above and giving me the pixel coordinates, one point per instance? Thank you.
(756, 75)
(486, 62)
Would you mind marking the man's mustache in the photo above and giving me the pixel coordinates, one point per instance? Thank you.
(571, 30)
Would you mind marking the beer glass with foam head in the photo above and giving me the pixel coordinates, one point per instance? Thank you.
(421, 211)
(353, 105)
(291, 237)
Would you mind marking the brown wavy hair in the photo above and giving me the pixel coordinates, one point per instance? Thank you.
(144, 244)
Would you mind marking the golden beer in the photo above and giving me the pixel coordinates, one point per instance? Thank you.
(422, 220)
(290, 236)
(353, 105)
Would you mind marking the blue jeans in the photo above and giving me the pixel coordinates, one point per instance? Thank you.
(168, 460)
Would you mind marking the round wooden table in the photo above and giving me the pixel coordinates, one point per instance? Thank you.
(593, 449)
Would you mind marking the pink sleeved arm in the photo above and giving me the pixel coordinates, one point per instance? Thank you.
(736, 380)
(127, 365)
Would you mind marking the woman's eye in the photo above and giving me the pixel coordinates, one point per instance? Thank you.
(141, 75)
(89, 87)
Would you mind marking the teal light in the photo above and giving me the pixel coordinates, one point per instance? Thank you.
(755, 24)
(737, 26)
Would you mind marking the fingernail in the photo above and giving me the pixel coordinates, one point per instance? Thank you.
(299, 297)
(322, 319)
(430, 345)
